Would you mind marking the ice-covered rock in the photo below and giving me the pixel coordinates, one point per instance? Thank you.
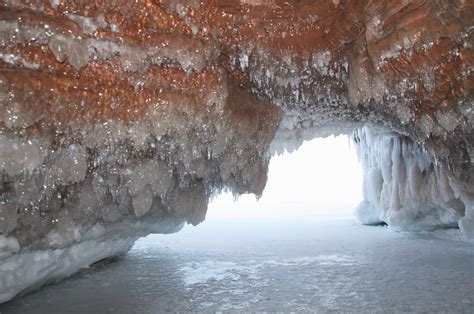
(20, 154)
(56, 189)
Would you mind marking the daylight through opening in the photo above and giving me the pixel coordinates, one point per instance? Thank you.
(322, 178)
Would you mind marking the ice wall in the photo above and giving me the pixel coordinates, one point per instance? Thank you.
(407, 187)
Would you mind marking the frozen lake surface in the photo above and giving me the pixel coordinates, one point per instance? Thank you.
(323, 264)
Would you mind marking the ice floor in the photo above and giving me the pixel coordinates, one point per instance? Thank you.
(322, 264)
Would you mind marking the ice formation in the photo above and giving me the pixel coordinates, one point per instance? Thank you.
(118, 115)
(405, 186)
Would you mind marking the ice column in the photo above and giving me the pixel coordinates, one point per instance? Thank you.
(405, 186)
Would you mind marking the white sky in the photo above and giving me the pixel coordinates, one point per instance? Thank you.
(322, 178)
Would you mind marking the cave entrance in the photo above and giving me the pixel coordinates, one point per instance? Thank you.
(322, 178)
(320, 181)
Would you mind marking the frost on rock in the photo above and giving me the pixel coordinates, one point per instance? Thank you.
(57, 188)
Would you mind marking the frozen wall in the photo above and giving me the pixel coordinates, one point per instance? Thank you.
(405, 186)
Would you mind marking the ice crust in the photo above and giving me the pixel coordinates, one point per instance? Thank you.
(30, 269)
(191, 56)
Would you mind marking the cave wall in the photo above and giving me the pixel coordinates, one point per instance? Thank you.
(121, 118)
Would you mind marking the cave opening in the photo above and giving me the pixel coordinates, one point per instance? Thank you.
(323, 177)
(320, 180)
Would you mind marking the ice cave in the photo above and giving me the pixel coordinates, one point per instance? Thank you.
(119, 119)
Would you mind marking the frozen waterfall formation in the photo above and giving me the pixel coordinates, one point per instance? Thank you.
(122, 118)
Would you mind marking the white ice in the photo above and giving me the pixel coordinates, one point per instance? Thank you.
(406, 186)
(29, 269)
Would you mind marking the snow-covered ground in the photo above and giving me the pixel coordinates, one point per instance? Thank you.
(323, 263)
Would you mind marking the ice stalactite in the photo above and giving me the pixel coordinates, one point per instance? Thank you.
(407, 187)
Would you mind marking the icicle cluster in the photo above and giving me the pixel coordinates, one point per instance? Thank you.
(407, 187)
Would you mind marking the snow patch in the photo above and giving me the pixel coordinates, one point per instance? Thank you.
(199, 273)
(203, 272)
